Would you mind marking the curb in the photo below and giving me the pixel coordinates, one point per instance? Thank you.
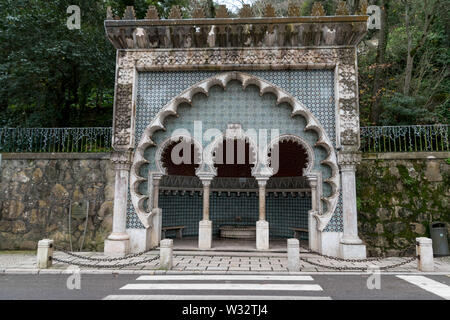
(16, 271)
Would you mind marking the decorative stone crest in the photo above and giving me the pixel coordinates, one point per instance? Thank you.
(293, 10)
(246, 11)
(152, 13)
(129, 13)
(175, 12)
(222, 12)
(363, 5)
(318, 10)
(198, 13)
(269, 11)
(342, 9)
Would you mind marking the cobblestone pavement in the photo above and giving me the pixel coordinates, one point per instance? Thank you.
(208, 262)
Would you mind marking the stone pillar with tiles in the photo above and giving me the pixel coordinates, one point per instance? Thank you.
(118, 242)
(351, 246)
(205, 225)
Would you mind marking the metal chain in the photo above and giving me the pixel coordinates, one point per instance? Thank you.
(340, 259)
(347, 268)
(134, 255)
(107, 266)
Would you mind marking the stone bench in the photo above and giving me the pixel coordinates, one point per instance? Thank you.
(178, 229)
(297, 231)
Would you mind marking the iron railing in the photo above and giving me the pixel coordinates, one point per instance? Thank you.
(97, 139)
(418, 138)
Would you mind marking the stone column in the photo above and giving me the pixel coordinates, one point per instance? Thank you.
(205, 225)
(118, 242)
(155, 234)
(262, 226)
(312, 223)
(351, 246)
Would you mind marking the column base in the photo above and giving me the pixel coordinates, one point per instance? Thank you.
(139, 240)
(117, 247)
(262, 235)
(205, 234)
(352, 251)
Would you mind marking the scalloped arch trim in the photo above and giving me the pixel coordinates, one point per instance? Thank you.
(222, 80)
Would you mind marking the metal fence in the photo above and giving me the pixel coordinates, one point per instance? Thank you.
(55, 139)
(417, 138)
(373, 139)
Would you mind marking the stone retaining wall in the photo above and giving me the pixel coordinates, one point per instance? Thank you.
(398, 196)
(39, 191)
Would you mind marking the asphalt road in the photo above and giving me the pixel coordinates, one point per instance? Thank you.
(227, 287)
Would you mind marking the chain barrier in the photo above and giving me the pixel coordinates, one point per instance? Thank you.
(340, 259)
(134, 255)
(347, 268)
(107, 266)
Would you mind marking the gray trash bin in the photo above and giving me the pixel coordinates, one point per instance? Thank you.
(439, 236)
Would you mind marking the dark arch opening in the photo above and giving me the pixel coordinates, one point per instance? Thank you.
(292, 159)
(234, 158)
(189, 162)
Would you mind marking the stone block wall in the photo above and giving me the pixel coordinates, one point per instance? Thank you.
(398, 196)
(38, 192)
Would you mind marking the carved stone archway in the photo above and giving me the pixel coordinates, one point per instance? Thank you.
(139, 199)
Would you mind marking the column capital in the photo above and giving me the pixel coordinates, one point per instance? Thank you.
(313, 180)
(349, 160)
(156, 178)
(122, 160)
(262, 181)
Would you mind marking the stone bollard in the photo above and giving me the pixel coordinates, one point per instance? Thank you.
(424, 250)
(166, 254)
(293, 249)
(44, 254)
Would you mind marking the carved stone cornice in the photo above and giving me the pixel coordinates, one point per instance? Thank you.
(349, 160)
(122, 160)
(224, 32)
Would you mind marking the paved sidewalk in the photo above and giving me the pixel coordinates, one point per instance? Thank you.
(206, 262)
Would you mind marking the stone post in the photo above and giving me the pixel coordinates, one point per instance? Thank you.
(166, 254)
(205, 225)
(44, 256)
(351, 246)
(424, 250)
(262, 226)
(293, 251)
(118, 242)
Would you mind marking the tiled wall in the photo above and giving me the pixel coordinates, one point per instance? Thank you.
(315, 88)
(282, 211)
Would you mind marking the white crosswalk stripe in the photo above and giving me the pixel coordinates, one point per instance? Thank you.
(220, 287)
(430, 285)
